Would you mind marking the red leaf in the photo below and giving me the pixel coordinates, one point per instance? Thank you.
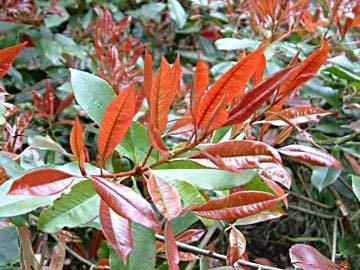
(161, 96)
(41, 182)
(117, 230)
(172, 253)
(253, 99)
(355, 166)
(201, 81)
(296, 115)
(175, 79)
(258, 75)
(237, 154)
(116, 121)
(165, 197)
(275, 172)
(157, 142)
(237, 246)
(310, 155)
(190, 236)
(229, 86)
(187, 257)
(126, 203)
(77, 144)
(147, 75)
(7, 56)
(237, 205)
(308, 258)
(64, 104)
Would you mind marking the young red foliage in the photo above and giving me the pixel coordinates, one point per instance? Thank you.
(211, 112)
(238, 154)
(147, 84)
(237, 246)
(117, 230)
(172, 253)
(115, 122)
(126, 203)
(190, 236)
(200, 83)
(43, 182)
(310, 155)
(259, 73)
(7, 56)
(77, 144)
(308, 258)
(165, 197)
(253, 99)
(237, 205)
(157, 142)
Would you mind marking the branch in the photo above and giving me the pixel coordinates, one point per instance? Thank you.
(215, 255)
(313, 213)
(310, 200)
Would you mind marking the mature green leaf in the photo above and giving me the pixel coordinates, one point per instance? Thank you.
(177, 13)
(228, 44)
(92, 93)
(78, 207)
(211, 179)
(324, 176)
(9, 246)
(11, 167)
(356, 185)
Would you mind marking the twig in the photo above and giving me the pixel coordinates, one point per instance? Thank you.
(333, 253)
(310, 200)
(345, 213)
(313, 213)
(215, 255)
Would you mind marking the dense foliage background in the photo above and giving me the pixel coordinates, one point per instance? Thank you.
(111, 39)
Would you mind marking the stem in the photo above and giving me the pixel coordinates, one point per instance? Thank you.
(215, 255)
(313, 213)
(310, 200)
(147, 156)
(333, 253)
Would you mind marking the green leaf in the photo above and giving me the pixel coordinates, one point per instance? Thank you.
(78, 207)
(149, 11)
(356, 185)
(322, 177)
(9, 246)
(115, 261)
(143, 254)
(229, 44)
(183, 222)
(52, 50)
(210, 179)
(47, 143)
(135, 144)
(11, 167)
(177, 13)
(92, 93)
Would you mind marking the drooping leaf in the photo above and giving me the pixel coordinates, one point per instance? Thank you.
(238, 154)
(253, 99)
(310, 155)
(116, 121)
(76, 208)
(7, 56)
(41, 182)
(296, 115)
(276, 173)
(237, 205)
(126, 203)
(237, 246)
(322, 177)
(212, 113)
(77, 144)
(165, 197)
(172, 253)
(200, 83)
(308, 258)
(273, 212)
(27, 256)
(117, 230)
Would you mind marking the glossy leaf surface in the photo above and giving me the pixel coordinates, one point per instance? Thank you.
(171, 248)
(237, 246)
(77, 144)
(7, 56)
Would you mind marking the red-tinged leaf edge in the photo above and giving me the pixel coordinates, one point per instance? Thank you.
(126, 203)
(237, 205)
(77, 144)
(147, 75)
(116, 121)
(308, 258)
(42, 182)
(200, 83)
(310, 155)
(172, 252)
(117, 231)
(237, 246)
(157, 142)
